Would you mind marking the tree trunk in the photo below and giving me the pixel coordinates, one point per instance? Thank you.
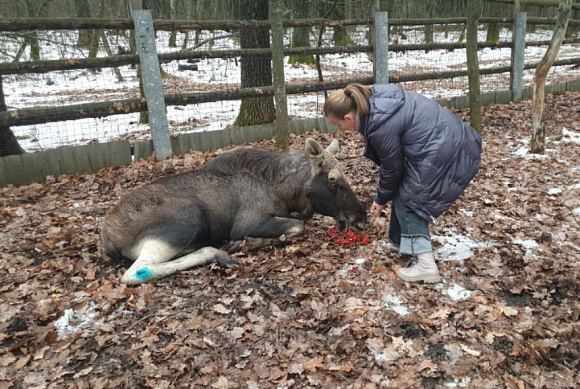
(32, 41)
(110, 54)
(82, 10)
(255, 71)
(473, 13)
(574, 28)
(301, 35)
(538, 142)
(172, 13)
(96, 36)
(154, 7)
(493, 28)
(340, 35)
(429, 27)
(492, 32)
(8, 142)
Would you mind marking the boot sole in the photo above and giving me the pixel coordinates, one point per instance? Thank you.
(426, 279)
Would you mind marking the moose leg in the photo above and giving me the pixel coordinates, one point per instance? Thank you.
(268, 232)
(155, 262)
(276, 226)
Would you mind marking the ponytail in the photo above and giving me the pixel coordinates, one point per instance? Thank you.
(355, 97)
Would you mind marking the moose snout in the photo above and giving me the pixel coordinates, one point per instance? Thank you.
(353, 221)
(358, 222)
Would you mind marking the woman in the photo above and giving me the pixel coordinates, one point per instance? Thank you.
(427, 157)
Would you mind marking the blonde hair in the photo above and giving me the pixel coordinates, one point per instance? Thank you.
(355, 97)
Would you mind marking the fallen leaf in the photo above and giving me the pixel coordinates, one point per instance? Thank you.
(312, 364)
(220, 308)
(224, 383)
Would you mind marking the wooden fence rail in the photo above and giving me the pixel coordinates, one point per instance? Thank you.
(31, 116)
(27, 24)
(120, 60)
(77, 160)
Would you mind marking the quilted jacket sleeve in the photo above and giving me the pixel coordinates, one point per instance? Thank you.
(390, 153)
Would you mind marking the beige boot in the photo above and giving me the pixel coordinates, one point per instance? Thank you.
(424, 270)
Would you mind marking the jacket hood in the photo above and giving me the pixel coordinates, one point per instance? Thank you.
(385, 101)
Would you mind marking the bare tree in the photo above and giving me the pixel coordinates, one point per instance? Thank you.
(301, 35)
(82, 10)
(8, 142)
(538, 143)
(256, 71)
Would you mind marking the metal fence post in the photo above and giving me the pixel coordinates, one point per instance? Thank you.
(518, 57)
(152, 85)
(381, 48)
(276, 15)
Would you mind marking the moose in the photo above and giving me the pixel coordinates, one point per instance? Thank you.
(247, 196)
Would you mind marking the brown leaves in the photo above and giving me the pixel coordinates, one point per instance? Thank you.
(290, 317)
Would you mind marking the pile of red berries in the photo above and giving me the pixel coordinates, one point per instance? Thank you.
(349, 238)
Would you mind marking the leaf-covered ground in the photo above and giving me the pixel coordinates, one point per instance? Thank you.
(309, 313)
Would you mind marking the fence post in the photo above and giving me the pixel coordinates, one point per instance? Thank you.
(381, 48)
(152, 85)
(473, 14)
(276, 15)
(518, 57)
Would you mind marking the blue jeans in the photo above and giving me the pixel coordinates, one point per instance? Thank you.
(408, 230)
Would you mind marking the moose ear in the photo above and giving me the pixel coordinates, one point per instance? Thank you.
(333, 147)
(312, 148)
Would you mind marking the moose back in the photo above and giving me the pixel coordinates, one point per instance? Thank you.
(173, 223)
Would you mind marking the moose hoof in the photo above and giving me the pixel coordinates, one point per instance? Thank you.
(224, 260)
(236, 247)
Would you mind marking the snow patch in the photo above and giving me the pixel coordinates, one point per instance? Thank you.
(466, 212)
(458, 292)
(456, 248)
(570, 136)
(555, 191)
(524, 152)
(576, 211)
(527, 243)
(395, 303)
(462, 383)
(573, 187)
(71, 322)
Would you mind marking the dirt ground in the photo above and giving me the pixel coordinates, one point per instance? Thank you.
(309, 313)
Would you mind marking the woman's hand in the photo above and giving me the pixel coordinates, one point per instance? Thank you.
(377, 208)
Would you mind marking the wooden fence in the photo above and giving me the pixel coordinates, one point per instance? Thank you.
(34, 167)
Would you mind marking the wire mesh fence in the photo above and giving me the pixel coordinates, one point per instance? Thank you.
(223, 73)
(67, 87)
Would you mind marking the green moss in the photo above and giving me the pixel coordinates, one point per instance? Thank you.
(307, 59)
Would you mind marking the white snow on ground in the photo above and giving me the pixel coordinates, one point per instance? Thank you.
(524, 152)
(456, 247)
(570, 136)
(395, 303)
(526, 243)
(555, 191)
(454, 291)
(462, 383)
(71, 322)
(82, 86)
(457, 292)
